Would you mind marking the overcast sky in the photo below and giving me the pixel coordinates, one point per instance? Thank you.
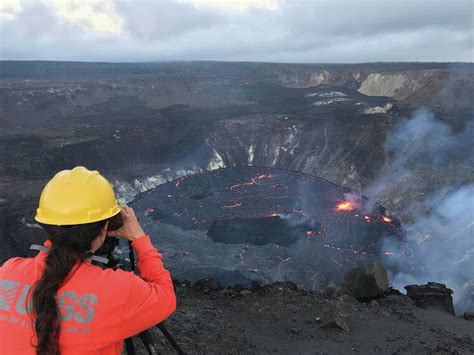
(258, 30)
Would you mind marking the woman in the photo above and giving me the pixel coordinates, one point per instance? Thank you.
(59, 302)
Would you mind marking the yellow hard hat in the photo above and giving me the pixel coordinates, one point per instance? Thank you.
(76, 196)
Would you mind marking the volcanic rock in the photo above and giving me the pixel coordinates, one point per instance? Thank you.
(468, 315)
(367, 281)
(207, 284)
(256, 286)
(332, 290)
(336, 323)
(283, 285)
(431, 295)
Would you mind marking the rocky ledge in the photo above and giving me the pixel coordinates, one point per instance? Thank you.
(284, 319)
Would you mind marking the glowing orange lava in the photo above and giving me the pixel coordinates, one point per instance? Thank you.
(344, 206)
(253, 181)
(234, 205)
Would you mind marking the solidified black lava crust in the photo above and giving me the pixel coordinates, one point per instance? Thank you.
(269, 225)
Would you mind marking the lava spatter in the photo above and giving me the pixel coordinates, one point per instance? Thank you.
(281, 225)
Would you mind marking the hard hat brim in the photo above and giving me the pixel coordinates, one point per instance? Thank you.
(75, 221)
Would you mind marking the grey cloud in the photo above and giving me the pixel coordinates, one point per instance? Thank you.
(163, 20)
(377, 17)
(301, 31)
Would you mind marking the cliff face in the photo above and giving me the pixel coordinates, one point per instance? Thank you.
(399, 85)
(447, 91)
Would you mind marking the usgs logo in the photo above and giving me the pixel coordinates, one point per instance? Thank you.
(74, 307)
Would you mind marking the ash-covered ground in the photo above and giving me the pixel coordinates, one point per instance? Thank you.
(280, 319)
(242, 224)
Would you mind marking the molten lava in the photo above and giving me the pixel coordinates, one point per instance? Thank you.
(344, 206)
(253, 181)
(234, 205)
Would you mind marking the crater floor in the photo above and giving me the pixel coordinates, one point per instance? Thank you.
(251, 223)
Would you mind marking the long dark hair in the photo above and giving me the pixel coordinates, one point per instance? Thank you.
(70, 244)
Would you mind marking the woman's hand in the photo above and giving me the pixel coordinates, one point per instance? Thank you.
(131, 228)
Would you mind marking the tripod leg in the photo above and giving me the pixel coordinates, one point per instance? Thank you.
(171, 340)
(147, 340)
(129, 346)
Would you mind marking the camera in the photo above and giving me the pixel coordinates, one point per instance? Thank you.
(110, 243)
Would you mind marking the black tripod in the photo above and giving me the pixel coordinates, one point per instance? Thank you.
(145, 336)
(147, 340)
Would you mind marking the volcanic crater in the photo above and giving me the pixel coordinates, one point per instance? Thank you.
(242, 224)
(142, 125)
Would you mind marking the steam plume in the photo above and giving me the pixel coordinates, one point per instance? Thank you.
(429, 175)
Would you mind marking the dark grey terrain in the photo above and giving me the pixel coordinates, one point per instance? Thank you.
(281, 320)
(143, 124)
(356, 125)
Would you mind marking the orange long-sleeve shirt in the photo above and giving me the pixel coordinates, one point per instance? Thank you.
(99, 308)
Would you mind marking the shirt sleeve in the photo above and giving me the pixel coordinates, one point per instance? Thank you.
(151, 298)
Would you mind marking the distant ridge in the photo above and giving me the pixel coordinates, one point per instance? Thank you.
(76, 69)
